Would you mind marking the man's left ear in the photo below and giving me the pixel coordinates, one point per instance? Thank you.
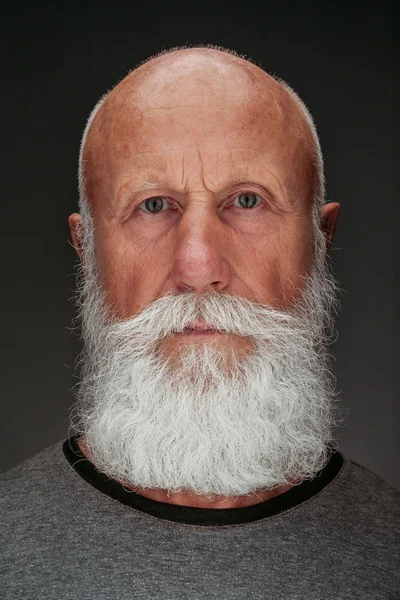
(74, 222)
(329, 215)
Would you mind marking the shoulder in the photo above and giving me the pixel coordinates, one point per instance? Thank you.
(33, 467)
(366, 502)
(35, 482)
(367, 485)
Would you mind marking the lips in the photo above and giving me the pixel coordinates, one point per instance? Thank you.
(201, 326)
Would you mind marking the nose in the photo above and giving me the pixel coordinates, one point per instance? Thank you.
(200, 261)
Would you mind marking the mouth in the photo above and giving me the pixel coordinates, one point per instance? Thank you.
(200, 326)
(201, 332)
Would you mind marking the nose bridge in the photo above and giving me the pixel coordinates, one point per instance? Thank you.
(200, 260)
(200, 212)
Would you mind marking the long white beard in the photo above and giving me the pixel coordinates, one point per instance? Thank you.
(217, 421)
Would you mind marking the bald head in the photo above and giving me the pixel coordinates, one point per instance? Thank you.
(200, 89)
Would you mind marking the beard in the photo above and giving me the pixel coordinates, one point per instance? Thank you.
(210, 419)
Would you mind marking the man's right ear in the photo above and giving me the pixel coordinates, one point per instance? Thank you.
(74, 221)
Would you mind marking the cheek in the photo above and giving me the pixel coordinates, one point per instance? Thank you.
(296, 261)
(129, 274)
(284, 261)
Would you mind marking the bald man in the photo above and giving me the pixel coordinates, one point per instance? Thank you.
(203, 463)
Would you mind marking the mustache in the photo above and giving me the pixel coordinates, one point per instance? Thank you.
(173, 313)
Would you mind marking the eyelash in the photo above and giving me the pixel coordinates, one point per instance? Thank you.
(237, 196)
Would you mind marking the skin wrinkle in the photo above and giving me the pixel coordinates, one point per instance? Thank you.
(137, 117)
(234, 124)
(226, 196)
(184, 184)
(184, 188)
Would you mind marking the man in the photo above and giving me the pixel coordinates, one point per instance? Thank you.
(203, 465)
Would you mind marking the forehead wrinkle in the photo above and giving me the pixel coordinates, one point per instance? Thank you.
(183, 170)
(198, 65)
(177, 177)
(109, 125)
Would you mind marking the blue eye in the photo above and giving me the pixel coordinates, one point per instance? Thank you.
(247, 200)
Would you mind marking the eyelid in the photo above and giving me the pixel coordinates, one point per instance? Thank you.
(227, 200)
(246, 193)
(167, 198)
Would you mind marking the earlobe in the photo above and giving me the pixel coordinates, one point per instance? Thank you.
(329, 215)
(74, 222)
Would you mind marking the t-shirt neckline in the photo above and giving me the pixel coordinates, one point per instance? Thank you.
(200, 516)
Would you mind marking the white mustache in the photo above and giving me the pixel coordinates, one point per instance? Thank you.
(229, 314)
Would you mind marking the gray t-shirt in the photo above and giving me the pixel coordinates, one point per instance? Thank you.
(70, 532)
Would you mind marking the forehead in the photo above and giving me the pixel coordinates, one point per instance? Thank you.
(189, 125)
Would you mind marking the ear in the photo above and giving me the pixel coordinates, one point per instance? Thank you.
(74, 222)
(329, 215)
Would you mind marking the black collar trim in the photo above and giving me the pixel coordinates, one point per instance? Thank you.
(200, 516)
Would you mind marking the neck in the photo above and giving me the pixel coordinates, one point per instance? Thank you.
(188, 498)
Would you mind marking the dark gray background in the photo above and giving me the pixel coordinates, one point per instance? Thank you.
(340, 60)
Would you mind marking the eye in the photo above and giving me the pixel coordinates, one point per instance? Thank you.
(156, 204)
(247, 200)
(153, 205)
